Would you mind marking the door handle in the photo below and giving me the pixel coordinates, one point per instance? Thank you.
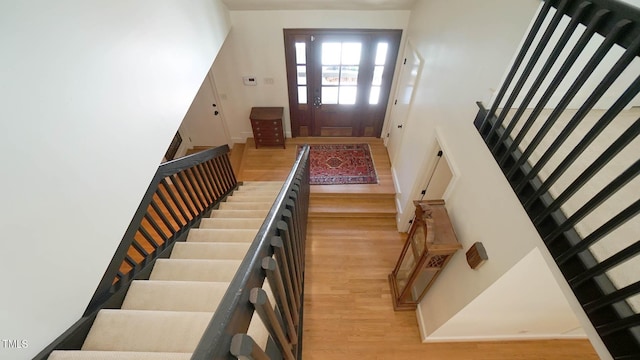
(317, 102)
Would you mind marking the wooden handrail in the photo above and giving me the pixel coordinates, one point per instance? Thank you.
(190, 186)
(182, 192)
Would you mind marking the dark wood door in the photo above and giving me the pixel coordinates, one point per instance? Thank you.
(339, 80)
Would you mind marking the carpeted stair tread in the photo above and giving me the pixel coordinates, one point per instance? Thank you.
(258, 331)
(116, 355)
(222, 235)
(268, 187)
(257, 190)
(212, 250)
(265, 188)
(237, 214)
(256, 194)
(247, 205)
(213, 223)
(164, 317)
(198, 296)
(269, 184)
(149, 331)
(194, 270)
(251, 198)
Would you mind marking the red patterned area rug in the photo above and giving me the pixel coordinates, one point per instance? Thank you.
(337, 164)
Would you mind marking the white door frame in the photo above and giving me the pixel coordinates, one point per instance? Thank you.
(397, 120)
(223, 120)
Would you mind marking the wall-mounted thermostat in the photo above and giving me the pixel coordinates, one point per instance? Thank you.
(249, 80)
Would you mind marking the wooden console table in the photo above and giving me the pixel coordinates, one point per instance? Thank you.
(430, 244)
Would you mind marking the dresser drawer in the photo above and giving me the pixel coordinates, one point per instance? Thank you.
(265, 141)
(266, 123)
(267, 127)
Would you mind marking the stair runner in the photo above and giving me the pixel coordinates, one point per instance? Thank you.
(163, 318)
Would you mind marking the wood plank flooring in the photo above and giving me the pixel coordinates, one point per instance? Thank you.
(352, 245)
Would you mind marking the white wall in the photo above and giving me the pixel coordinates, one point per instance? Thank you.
(92, 94)
(595, 76)
(256, 47)
(465, 56)
(538, 310)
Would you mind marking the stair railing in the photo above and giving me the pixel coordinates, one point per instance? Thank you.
(277, 254)
(181, 193)
(538, 152)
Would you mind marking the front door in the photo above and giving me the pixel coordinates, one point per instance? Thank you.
(339, 80)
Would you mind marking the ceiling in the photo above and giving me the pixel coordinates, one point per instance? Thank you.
(319, 4)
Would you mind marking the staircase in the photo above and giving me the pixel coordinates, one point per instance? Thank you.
(164, 317)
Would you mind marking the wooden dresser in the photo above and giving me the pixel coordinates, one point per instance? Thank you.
(266, 123)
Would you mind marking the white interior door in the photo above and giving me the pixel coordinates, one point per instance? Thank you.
(439, 180)
(407, 82)
(204, 123)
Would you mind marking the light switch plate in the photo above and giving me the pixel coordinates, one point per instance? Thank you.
(249, 80)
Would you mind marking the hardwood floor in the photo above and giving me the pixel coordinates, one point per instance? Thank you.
(352, 245)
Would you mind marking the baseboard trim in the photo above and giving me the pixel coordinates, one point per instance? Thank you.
(519, 337)
(399, 210)
(421, 325)
(394, 177)
(523, 337)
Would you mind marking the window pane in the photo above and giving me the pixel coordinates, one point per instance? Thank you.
(348, 95)
(351, 53)
(302, 94)
(381, 53)
(330, 75)
(374, 95)
(331, 53)
(377, 75)
(329, 95)
(349, 75)
(302, 75)
(301, 56)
